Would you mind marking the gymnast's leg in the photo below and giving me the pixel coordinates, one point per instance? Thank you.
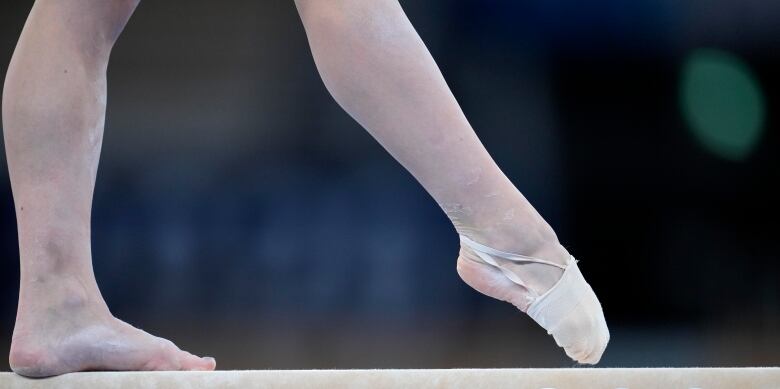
(53, 113)
(378, 69)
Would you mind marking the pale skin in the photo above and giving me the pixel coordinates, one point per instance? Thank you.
(372, 62)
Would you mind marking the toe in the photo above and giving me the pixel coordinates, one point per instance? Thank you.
(577, 352)
(591, 358)
(600, 345)
(193, 362)
(590, 353)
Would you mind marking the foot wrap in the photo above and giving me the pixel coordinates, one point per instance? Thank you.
(569, 311)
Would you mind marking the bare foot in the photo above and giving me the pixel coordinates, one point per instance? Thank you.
(78, 334)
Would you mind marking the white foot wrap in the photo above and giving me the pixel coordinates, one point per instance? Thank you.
(569, 311)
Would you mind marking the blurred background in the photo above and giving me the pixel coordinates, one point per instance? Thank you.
(241, 213)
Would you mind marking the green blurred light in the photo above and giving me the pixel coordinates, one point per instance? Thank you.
(722, 103)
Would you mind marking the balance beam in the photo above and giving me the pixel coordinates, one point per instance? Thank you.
(579, 378)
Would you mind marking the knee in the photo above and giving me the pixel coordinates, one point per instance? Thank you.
(120, 11)
(92, 26)
(351, 19)
(324, 16)
(114, 17)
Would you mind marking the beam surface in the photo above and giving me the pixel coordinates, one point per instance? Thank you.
(612, 378)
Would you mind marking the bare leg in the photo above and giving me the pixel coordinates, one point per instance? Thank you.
(376, 66)
(53, 111)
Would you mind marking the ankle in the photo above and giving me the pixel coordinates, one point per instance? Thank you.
(525, 234)
(512, 226)
(59, 292)
(55, 248)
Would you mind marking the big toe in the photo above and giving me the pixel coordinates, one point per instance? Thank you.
(188, 361)
(585, 355)
(598, 346)
(584, 343)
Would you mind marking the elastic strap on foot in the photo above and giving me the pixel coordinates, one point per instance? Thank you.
(487, 253)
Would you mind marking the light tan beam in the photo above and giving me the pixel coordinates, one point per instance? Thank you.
(612, 378)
